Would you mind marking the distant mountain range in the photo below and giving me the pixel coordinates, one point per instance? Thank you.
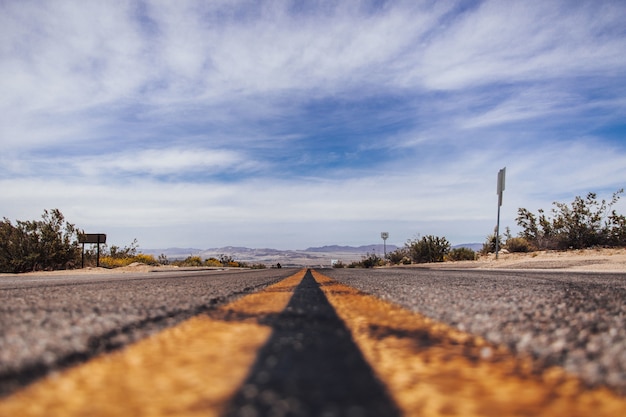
(312, 256)
(176, 253)
(473, 246)
(353, 249)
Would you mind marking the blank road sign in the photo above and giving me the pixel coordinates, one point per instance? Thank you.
(93, 238)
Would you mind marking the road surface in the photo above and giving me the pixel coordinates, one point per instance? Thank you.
(328, 342)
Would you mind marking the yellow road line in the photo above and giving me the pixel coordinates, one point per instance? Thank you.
(192, 369)
(431, 369)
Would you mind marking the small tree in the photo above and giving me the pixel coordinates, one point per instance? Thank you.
(586, 222)
(462, 254)
(47, 244)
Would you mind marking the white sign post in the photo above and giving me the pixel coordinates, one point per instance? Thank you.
(501, 180)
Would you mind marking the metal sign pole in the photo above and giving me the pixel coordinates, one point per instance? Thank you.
(98, 253)
(501, 180)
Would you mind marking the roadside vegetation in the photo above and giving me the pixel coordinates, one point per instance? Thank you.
(584, 223)
(46, 244)
(52, 243)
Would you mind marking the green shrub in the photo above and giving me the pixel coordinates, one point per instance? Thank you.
(399, 256)
(586, 222)
(428, 249)
(461, 254)
(368, 261)
(47, 244)
(212, 262)
(189, 261)
(490, 244)
(518, 244)
(108, 261)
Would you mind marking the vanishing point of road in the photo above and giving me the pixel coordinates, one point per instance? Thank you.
(326, 342)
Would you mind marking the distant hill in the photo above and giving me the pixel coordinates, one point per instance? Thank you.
(314, 256)
(473, 246)
(352, 249)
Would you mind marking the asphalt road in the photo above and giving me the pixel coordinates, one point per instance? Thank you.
(52, 322)
(574, 320)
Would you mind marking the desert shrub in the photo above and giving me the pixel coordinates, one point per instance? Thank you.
(368, 261)
(518, 244)
(111, 262)
(47, 244)
(189, 261)
(108, 261)
(490, 244)
(162, 260)
(399, 256)
(372, 260)
(118, 252)
(586, 222)
(428, 249)
(339, 264)
(212, 262)
(461, 254)
(145, 259)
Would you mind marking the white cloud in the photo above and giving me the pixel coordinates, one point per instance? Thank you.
(101, 102)
(501, 42)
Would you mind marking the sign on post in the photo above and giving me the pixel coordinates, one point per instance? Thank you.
(501, 181)
(96, 238)
(384, 236)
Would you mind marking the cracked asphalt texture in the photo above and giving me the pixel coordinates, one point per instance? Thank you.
(51, 322)
(574, 320)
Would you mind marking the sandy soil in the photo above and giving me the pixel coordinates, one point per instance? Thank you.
(591, 260)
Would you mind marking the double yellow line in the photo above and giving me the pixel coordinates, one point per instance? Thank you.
(197, 367)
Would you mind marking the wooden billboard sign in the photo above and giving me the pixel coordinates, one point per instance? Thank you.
(96, 238)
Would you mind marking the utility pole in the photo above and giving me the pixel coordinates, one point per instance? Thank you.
(501, 180)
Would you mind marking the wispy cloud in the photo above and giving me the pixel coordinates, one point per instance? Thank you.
(241, 117)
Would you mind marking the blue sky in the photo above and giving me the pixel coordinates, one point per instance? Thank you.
(270, 124)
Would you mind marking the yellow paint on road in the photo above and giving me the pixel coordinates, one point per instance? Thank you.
(192, 369)
(431, 369)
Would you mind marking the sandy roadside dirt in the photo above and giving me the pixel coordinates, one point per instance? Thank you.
(590, 260)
